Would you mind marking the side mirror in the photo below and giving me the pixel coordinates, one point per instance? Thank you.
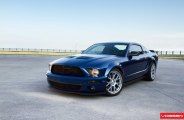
(133, 53)
(82, 51)
(152, 51)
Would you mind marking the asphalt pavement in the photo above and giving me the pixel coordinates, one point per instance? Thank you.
(25, 95)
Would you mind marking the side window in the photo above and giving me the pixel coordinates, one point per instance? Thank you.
(121, 47)
(136, 48)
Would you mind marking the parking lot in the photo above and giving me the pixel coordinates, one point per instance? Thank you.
(24, 94)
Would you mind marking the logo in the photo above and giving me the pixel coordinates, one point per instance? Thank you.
(172, 115)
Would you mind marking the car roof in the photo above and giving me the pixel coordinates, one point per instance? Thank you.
(118, 42)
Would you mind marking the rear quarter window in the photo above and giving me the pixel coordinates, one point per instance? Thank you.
(145, 50)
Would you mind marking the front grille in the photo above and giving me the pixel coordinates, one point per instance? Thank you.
(64, 86)
(67, 70)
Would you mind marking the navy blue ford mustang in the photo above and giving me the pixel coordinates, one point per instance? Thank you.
(103, 68)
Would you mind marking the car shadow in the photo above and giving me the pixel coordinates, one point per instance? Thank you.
(126, 84)
(71, 94)
(88, 96)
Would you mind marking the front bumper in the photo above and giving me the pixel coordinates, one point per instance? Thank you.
(76, 84)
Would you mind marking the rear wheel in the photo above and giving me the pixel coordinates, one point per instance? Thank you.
(150, 76)
(114, 83)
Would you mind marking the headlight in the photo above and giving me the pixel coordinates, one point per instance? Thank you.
(93, 72)
(50, 66)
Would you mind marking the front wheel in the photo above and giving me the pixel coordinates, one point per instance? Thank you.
(114, 83)
(150, 76)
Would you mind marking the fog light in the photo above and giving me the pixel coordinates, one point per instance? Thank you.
(91, 88)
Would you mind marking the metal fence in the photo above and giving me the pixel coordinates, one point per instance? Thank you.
(38, 50)
(75, 51)
(170, 52)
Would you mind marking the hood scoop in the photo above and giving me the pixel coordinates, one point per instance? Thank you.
(70, 57)
(83, 57)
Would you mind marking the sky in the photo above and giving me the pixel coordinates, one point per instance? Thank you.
(77, 24)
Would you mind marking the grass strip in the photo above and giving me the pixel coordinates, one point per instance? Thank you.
(35, 53)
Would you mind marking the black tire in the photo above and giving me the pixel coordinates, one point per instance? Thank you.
(151, 74)
(115, 85)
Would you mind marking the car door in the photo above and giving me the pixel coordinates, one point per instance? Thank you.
(135, 65)
(146, 57)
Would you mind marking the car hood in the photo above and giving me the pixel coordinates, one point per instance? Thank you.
(87, 60)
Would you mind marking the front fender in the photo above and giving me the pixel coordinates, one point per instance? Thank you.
(111, 66)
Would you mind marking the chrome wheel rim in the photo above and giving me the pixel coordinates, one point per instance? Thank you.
(114, 82)
(153, 71)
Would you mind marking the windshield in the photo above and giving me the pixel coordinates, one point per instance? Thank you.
(108, 48)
